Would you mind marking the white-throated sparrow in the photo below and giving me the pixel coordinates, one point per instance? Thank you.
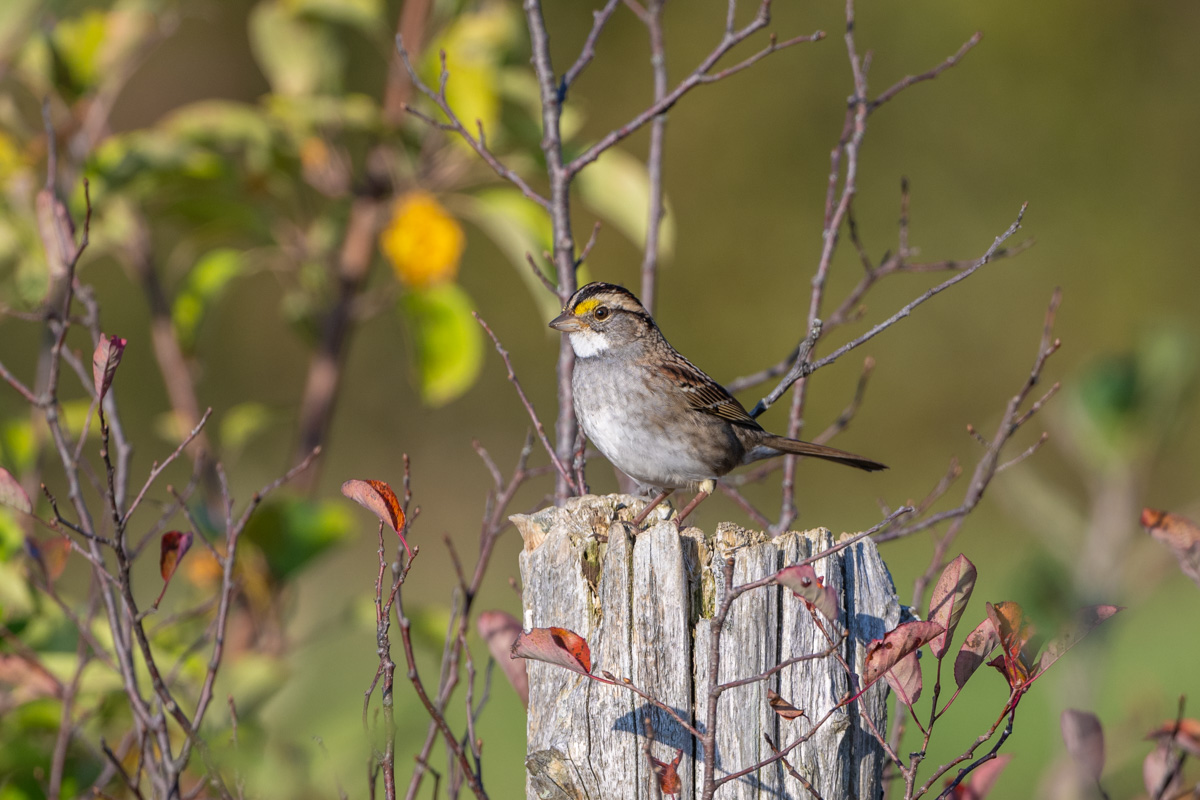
(655, 415)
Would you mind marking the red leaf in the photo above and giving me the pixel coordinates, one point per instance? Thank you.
(378, 498)
(1084, 737)
(980, 782)
(805, 584)
(105, 359)
(1159, 774)
(782, 707)
(1015, 631)
(174, 547)
(949, 600)
(500, 630)
(978, 646)
(668, 773)
(885, 653)
(1178, 533)
(555, 646)
(1186, 736)
(905, 679)
(11, 493)
(1085, 621)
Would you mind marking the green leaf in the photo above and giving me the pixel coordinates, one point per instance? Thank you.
(519, 227)
(364, 14)
(16, 602)
(617, 188)
(447, 341)
(18, 445)
(298, 56)
(242, 423)
(16, 19)
(475, 45)
(292, 532)
(77, 43)
(205, 282)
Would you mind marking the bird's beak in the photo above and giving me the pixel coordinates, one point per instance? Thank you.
(566, 322)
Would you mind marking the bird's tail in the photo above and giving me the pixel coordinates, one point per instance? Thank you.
(782, 444)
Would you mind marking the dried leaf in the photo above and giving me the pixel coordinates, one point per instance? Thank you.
(976, 648)
(378, 498)
(1178, 533)
(805, 584)
(174, 547)
(105, 359)
(23, 680)
(1084, 737)
(980, 782)
(1085, 620)
(11, 493)
(1159, 774)
(51, 555)
(949, 600)
(668, 773)
(905, 679)
(1185, 736)
(499, 630)
(885, 653)
(1015, 631)
(555, 646)
(782, 707)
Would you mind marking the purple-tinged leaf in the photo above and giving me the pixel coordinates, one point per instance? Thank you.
(500, 630)
(980, 782)
(885, 653)
(105, 360)
(949, 600)
(1159, 774)
(805, 584)
(1085, 621)
(978, 645)
(1084, 737)
(905, 679)
(11, 493)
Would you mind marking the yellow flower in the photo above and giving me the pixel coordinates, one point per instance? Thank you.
(423, 242)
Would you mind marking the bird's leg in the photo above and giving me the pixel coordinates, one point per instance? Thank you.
(640, 518)
(706, 488)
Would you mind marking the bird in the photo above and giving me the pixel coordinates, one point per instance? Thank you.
(654, 414)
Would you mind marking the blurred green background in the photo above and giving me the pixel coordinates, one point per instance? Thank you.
(1087, 111)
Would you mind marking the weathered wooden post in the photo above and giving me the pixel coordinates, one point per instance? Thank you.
(645, 604)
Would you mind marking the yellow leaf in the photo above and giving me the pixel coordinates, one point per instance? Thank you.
(422, 241)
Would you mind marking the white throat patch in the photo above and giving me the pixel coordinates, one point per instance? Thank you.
(587, 343)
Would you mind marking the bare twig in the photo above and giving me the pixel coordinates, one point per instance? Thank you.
(588, 52)
(477, 143)
(537, 423)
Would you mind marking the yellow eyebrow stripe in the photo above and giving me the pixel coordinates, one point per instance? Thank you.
(585, 306)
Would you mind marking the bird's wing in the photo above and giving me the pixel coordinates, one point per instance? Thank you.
(706, 395)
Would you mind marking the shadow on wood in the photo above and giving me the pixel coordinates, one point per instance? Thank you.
(645, 603)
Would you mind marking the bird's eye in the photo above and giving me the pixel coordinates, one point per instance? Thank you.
(602, 313)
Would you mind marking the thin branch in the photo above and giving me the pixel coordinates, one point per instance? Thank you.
(476, 143)
(588, 52)
(700, 75)
(537, 423)
(926, 76)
